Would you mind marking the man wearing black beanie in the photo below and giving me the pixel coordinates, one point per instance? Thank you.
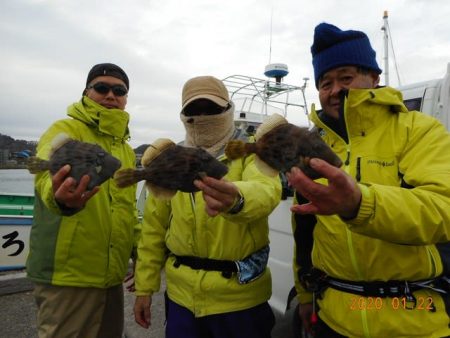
(81, 240)
(373, 237)
(107, 69)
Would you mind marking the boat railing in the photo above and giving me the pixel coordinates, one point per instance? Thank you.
(257, 98)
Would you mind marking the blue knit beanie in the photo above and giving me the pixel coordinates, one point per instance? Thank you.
(334, 48)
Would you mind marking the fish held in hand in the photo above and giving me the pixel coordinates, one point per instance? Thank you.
(84, 159)
(281, 145)
(168, 168)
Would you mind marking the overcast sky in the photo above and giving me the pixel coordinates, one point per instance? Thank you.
(48, 47)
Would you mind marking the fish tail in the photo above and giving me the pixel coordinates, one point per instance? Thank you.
(126, 177)
(237, 149)
(36, 164)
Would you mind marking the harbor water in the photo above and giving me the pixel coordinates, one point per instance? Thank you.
(16, 181)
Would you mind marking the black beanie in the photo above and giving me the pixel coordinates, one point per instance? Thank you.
(334, 48)
(107, 69)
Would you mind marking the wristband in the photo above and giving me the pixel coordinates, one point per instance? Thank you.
(237, 207)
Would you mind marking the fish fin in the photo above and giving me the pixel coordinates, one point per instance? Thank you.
(59, 140)
(36, 164)
(265, 168)
(155, 149)
(269, 123)
(126, 177)
(235, 149)
(160, 193)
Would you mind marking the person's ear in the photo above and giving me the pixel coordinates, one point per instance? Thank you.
(375, 79)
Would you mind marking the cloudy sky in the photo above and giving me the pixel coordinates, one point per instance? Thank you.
(48, 47)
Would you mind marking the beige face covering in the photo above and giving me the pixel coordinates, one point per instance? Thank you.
(210, 132)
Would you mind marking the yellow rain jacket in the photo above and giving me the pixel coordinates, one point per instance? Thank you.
(181, 226)
(401, 160)
(91, 248)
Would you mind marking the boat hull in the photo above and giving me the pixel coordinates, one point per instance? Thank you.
(16, 218)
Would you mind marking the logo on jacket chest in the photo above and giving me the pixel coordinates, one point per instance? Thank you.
(381, 163)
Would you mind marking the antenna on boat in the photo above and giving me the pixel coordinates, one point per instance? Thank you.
(275, 70)
(386, 48)
(270, 42)
(388, 38)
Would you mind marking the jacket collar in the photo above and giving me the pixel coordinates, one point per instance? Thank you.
(113, 122)
(362, 110)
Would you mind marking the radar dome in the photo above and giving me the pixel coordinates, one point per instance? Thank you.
(276, 70)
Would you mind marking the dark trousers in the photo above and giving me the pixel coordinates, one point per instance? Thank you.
(256, 322)
(322, 330)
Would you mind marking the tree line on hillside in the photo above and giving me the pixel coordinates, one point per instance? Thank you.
(9, 143)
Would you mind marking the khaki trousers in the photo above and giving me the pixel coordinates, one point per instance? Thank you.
(74, 312)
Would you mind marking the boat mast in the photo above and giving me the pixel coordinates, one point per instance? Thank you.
(386, 48)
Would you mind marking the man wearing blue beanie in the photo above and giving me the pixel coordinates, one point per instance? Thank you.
(372, 239)
(334, 48)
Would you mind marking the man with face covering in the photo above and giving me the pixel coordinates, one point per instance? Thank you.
(213, 244)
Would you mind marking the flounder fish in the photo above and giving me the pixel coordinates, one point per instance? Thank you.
(168, 168)
(281, 145)
(83, 158)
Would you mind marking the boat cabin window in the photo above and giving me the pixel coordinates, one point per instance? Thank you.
(413, 104)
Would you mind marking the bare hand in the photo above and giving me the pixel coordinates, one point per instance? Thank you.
(68, 193)
(341, 196)
(219, 195)
(304, 312)
(142, 314)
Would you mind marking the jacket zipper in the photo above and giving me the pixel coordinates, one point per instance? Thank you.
(347, 160)
(358, 169)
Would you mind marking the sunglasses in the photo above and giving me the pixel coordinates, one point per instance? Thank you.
(203, 107)
(104, 88)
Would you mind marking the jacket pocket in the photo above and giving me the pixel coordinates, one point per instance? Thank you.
(376, 169)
